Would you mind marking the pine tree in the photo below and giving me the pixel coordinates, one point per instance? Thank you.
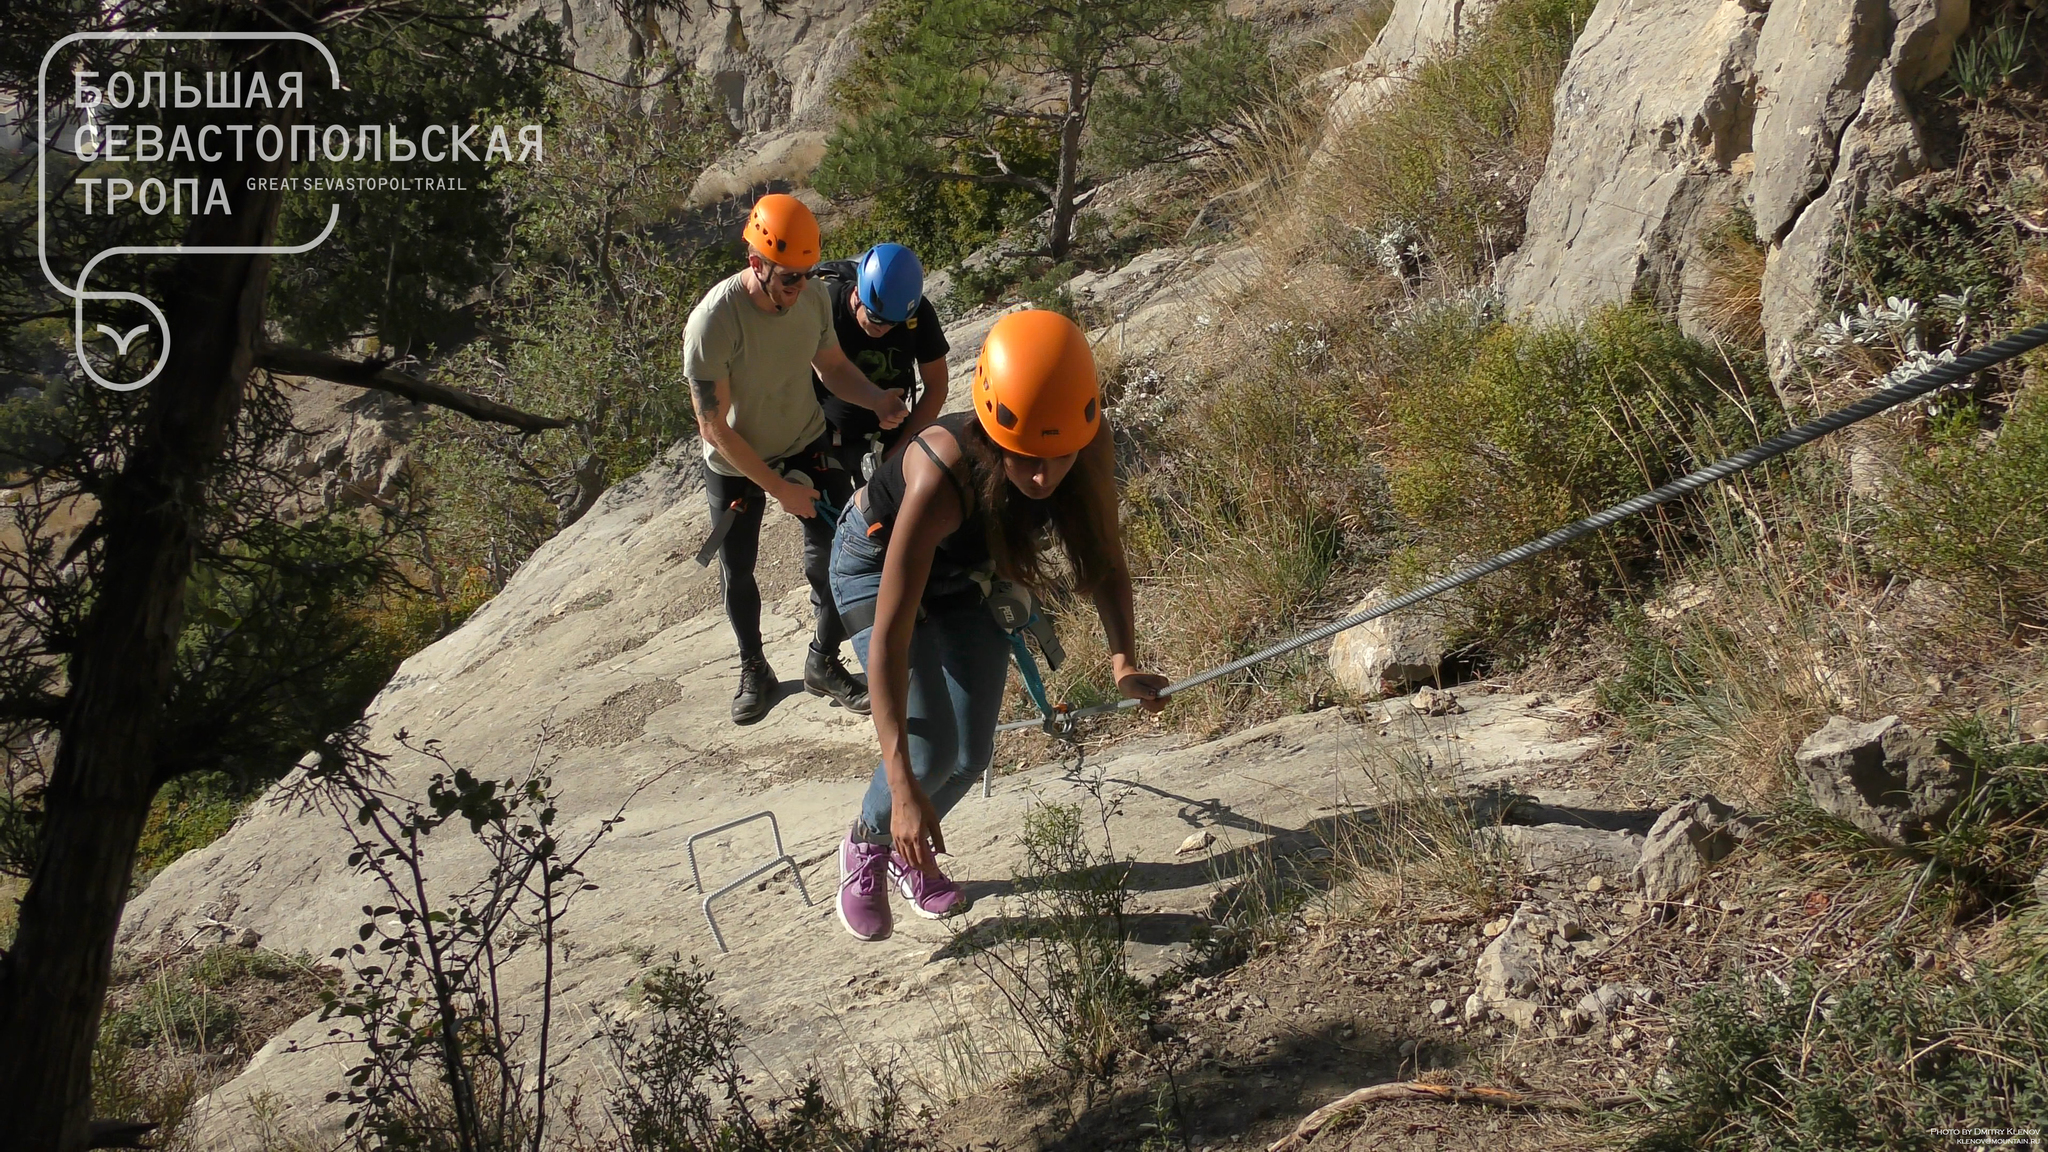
(1004, 92)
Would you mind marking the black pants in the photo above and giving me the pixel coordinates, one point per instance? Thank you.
(742, 545)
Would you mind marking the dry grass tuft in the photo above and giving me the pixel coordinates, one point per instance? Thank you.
(1442, 171)
(1731, 300)
(1417, 848)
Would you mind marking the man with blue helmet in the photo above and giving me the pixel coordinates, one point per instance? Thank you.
(892, 334)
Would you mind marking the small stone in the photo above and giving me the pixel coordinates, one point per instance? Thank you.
(1404, 648)
(249, 938)
(1196, 842)
(1496, 927)
(1522, 1014)
(1475, 1007)
(1435, 702)
(1595, 883)
(1439, 1008)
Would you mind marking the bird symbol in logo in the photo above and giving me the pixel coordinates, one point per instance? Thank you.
(121, 342)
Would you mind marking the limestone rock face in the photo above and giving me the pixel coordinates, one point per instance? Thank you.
(1812, 63)
(350, 445)
(1883, 777)
(1653, 112)
(1416, 31)
(773, 74)
(1406, 648)
(1672, 113)
(1880, 148)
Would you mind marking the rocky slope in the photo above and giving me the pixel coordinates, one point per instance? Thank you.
(608, 660)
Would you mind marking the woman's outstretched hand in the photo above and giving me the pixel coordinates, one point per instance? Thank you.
(1144, 687)
(914, 826)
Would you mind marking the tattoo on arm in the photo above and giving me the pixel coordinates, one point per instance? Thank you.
(705, 393)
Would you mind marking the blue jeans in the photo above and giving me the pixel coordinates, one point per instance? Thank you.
(959, 663)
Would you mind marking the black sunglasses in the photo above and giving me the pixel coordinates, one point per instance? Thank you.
(786, 279)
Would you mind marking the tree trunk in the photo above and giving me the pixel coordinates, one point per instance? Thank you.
(54, 979)
(1070, 167)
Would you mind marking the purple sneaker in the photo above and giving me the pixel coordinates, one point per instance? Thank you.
(934, 897)
(864, 889)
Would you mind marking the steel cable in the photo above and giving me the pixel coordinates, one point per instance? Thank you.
(1947, 372)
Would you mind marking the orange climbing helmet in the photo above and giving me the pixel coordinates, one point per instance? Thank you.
(1034, 386)
(783, 231)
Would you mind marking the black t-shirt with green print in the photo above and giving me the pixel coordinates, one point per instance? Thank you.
(890, 360)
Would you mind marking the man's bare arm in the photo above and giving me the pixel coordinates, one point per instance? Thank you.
(712, 398)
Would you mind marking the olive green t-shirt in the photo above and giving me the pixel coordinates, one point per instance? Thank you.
(767, 359)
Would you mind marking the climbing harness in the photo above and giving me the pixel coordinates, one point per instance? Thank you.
(823, 505)
(1941, 375)
(1016, 612)
(719, 530)
(726, 519)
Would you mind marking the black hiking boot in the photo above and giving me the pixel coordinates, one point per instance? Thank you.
(825, 676)
(757, 690)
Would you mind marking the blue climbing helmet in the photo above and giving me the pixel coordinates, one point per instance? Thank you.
(891, 282)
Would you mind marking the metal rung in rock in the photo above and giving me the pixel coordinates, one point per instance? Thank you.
(781, 858)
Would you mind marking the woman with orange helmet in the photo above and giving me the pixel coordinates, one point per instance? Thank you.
(978, 497)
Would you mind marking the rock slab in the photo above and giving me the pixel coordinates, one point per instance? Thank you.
(1685, 838)
(1898, 785)
(1564, 848)
(1404, 648)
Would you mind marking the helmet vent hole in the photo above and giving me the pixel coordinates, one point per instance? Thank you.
(1005, 417)
(1088, 413)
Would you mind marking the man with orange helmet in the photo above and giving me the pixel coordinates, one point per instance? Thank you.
(970, 498)
(750, 348)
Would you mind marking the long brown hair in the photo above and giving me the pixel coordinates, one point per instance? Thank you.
(1082, 512)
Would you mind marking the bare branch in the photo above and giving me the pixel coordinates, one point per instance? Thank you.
(378, 374)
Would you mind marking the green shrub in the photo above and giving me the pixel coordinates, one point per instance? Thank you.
(189, 812)
(681, 1085)
(1263, 496)
(1881, 1062)
(1972, 510)
(1921, 251)
(1997, 839)
(944, 221)
(1533, 428)
(1060, 962)
(186, 1015)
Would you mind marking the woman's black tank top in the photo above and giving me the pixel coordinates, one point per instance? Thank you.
(967, 546)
